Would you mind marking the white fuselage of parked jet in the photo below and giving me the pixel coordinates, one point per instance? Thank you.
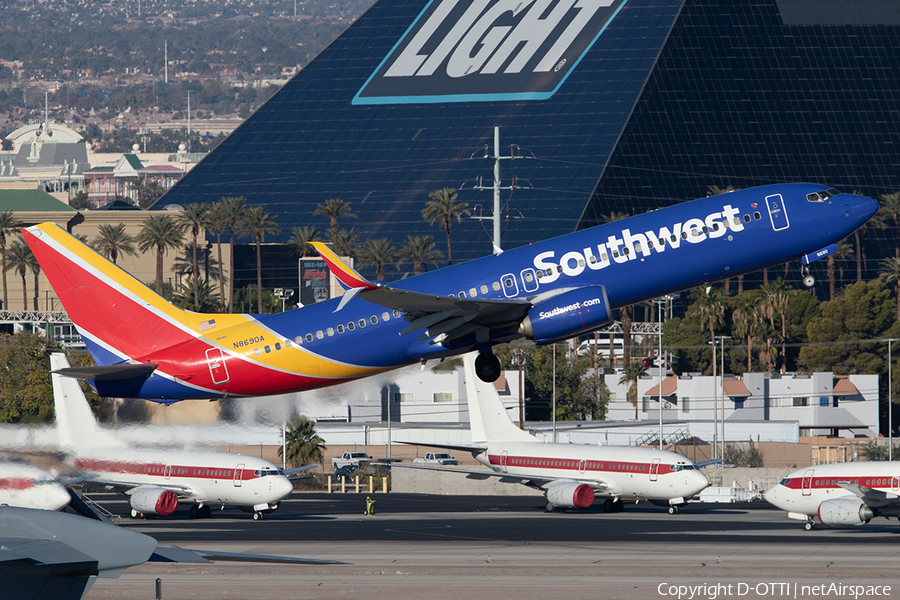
(611, 471)
(27, 486)
(155, 480)
(840, 494)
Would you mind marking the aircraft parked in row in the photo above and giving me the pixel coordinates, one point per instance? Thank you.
(156, 480)
(840, 493)
(571, 475)
(148, 348)
(27, 486)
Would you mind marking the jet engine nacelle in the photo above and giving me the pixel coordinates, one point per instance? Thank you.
(845, 511)
(570, 494)
(154, 501)
(567, 314)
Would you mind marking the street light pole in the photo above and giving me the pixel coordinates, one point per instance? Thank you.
(722, 339)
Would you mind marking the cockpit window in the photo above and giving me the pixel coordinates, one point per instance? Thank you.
(785, 481)
(822, 196)
(267, 472)
(682, 467)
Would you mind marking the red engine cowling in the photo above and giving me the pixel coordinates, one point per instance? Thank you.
(570, 494)
(154, 501)
(845, 511)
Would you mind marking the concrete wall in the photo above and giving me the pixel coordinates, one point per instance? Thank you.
(420, 481)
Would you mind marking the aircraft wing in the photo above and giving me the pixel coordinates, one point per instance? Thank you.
(530, 481)
(129, 487)
(446, 318)
(873, 498)
(457, 448)
(299, 470)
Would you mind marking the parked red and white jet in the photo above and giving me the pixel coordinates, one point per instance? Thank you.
(27, 486)
(156, 480)
(840, 494)
(571, 475)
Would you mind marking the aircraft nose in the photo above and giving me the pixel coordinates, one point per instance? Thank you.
(773, 496)
(59, 498)
(864, 208)
(283, 487)
(697, 482)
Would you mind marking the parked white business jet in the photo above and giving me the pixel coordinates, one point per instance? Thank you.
(27, 486)
(840, 494)
(571, 475)
(156, 480)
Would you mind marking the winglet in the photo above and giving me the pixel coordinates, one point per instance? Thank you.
(341, 270)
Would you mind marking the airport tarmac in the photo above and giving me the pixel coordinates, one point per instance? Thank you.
(473, 548)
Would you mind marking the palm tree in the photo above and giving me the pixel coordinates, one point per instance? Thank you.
(377, 253)
(333, 209)
(184, 296)
(443, 209)
(890, 212)
(777, 300)
(184, 263)
(19, 259)
(346, 242)
(216, 222)
(712, 313)
(300, 241)
(418, 250)
(745, 322)
(148, 191)
(160, 232)
(304, 446)
(112, 240)
(889, 272)
(630, 377)
(8, 224)
(256, 223)
(194, 218)
(231, 211)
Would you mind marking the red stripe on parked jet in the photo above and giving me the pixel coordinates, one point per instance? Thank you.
(574, 464)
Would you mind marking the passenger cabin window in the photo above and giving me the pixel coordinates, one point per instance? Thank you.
(374, 320)
(385, 316)
(484, 289)
(496, 285)
(473, 292)
(309, 337)
(351, 325)
(362, 323)
(340, 329)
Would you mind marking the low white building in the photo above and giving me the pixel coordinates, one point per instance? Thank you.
(821, 403)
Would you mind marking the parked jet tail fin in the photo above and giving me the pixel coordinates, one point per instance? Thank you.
(75, 423)
(118, 316)
(487, 416)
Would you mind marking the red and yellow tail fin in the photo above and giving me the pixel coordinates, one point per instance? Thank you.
(119, 317)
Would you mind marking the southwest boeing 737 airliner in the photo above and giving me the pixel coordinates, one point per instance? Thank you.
(146, 347)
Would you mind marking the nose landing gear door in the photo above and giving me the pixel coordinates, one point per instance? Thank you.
(777, 213)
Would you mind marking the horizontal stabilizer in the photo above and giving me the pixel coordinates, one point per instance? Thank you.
(185, 555)
(108, 373)
(459, 448)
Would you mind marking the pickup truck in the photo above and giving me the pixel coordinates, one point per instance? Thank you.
(350, 458)
(441, 458)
